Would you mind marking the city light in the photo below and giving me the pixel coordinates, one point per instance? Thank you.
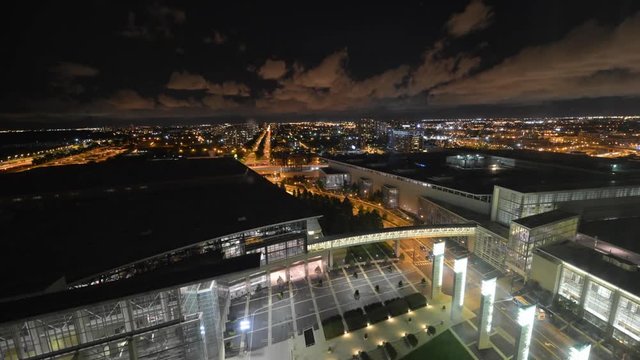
(245, 325)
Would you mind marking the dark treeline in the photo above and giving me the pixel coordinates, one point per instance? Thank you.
(337, 215)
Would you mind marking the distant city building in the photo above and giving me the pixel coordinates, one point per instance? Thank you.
(467, 161)
(365, 188)
(334, 180)
(390, 197)
(405, 140)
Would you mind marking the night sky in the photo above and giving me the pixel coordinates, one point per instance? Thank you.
(100, 61)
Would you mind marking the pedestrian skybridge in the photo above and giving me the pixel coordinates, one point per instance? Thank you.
(396, 233)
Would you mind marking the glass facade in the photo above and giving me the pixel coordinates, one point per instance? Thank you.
(522, 241)
(598, 301)
(512, 205)
(142, 326)
(294, 234)
(490, 247)
(571, 285)
(627, 320)
(612, 310)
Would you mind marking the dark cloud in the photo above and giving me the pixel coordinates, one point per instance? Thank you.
(173, 102)
(273, 69)
(128, 99)
(197, 60)
(155, 22)
(217, 38)
(476, 16)
(590, 61)
(73, 70)
(183, 80)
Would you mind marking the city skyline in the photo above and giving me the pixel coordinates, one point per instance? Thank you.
(164, 62)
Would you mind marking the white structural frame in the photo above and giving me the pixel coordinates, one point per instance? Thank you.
(401, 233)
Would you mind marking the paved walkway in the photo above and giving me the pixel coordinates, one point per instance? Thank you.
(280, 310)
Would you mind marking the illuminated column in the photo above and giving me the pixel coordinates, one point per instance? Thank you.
(396, 247)
(526, 317)
(459, 280)
(488, 294)
(580, 352)
(436, 270)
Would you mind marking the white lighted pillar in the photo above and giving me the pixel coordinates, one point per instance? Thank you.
(526, 318)
(396, 247)
(580, 352)
(459, 281)
(487, 298)
(436, 270)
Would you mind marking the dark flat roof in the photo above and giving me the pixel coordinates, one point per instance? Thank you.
(622, 232)
(328, 170)
(534, 171)
(125, 211)
(592, 262)
(548, 217)
(165, 278)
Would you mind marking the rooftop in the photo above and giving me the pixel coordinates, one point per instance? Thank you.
(622, 232)
(328, 170)
(593, 262)
(158, 280)
(77, 221)
(545, 218)
(534, 171)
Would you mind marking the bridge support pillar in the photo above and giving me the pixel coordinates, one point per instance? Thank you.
(437, 269)
(329, 260)
(459, 282)
(526, 317)
(396, 247)
(488, 293)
